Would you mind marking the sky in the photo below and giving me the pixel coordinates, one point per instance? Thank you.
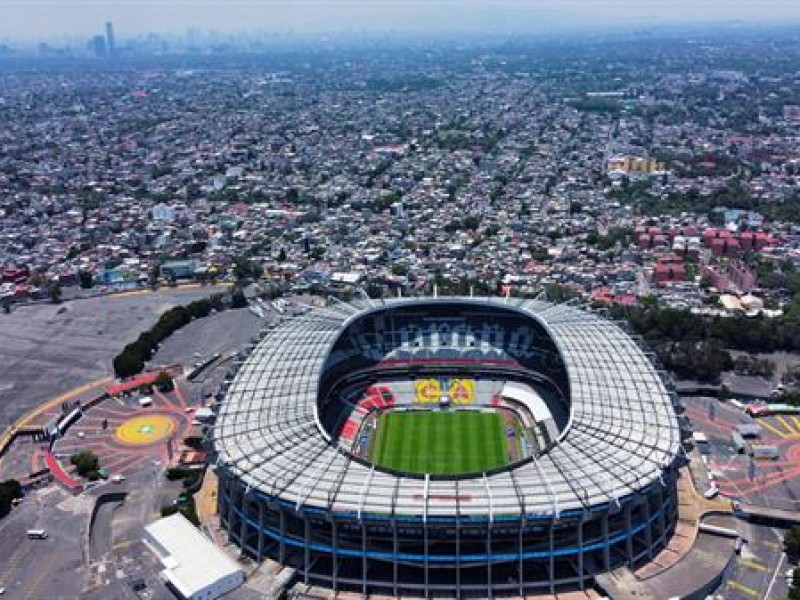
(44, 19)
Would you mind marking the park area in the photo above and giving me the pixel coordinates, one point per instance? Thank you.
(440, 442)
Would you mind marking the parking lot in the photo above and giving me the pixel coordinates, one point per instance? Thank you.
(49, 348)
(758, 572)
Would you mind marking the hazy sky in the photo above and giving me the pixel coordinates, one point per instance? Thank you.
(39, 19)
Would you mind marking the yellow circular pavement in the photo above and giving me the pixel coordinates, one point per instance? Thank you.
(145, 430)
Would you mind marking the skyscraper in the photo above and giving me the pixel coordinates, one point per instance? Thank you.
(99, 46)
(110, 38)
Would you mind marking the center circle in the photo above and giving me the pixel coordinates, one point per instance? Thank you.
(145, 430)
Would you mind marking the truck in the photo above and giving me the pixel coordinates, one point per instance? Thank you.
(764, 451)
(737, 440)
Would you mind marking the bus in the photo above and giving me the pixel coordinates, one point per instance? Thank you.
(761, 409)
(37, 534)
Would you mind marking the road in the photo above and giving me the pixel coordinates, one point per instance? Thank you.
(758, 572)
(50, 568)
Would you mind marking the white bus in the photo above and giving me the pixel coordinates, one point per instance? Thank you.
(37, 534)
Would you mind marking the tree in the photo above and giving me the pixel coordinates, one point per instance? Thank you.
(87, 463)
(127, 363)
(152, 278)
(10, 490)
(85, 279)
(54, 291)
(238, 299)
(164, 382)
(791, 544)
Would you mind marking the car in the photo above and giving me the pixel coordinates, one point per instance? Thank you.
(2, 590)
(118, 478)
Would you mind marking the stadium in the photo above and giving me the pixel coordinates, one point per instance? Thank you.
(453, 447)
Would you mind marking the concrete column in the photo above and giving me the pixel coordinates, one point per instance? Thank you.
(521, 563)
(396, 551)
(629, 536)
(282, 543)
(425, 554)
(306, 548)
(489, 561)
(231, 501)
(552, 559)
(335, 561)
(243, 526)
(580, 554)
(260, 529)
(648, 531)
(364, 563)
(458, 557)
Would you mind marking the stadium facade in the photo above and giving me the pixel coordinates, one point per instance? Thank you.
(592, 487)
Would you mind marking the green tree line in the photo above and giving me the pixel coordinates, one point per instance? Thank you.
(133, 356)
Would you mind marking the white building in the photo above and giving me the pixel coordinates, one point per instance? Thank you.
(163, 213)
(193, 566)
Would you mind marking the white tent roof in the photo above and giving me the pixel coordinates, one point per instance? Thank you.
(191, 561)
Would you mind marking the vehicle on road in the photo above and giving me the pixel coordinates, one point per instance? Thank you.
(118, 478)
(37, 534)
(764, 451)
(760, 409)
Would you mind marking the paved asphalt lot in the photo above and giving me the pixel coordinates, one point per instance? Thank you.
(44, 569)
(759, 571)
(48, 349)
(224, 333)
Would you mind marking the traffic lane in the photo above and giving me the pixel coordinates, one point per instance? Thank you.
(46, 568)
(758, 569)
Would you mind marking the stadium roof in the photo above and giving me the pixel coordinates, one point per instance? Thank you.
(621, 435)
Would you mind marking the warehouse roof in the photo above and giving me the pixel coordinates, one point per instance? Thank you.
(191, 562)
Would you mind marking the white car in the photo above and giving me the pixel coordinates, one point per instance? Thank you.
(2, 591)
(118, 478)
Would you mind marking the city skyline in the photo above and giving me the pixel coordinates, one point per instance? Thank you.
(24, 20)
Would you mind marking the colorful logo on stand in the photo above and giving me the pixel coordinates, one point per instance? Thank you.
(428, 391)
(462, 391)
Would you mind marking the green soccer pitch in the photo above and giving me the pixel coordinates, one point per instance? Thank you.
(440, 442)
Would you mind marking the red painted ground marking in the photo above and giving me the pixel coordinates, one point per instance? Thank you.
(767, 481)
(59, 473)
(181, 397)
